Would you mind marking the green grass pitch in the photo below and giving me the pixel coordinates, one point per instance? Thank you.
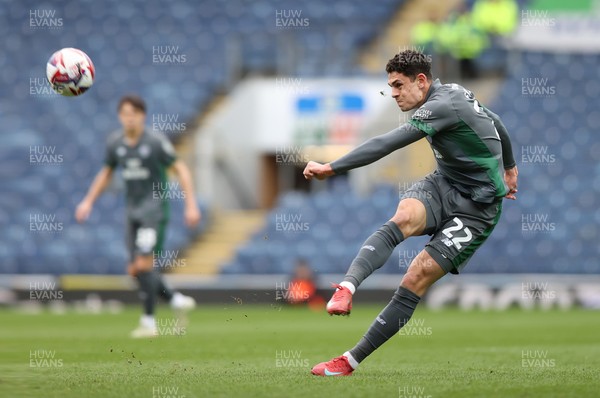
(241, 350)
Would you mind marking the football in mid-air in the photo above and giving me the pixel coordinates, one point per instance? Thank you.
(70, 72)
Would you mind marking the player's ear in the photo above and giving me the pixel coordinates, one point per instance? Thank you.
(421, 80)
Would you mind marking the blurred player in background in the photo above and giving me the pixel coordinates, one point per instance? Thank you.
(144, 157)
(459, 204)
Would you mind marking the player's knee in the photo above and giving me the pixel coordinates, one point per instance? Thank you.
(143, 263)
(421, 274)
(412, 280)
(405, 219)
(410, 217)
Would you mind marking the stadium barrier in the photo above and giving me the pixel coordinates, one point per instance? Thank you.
(469, 291)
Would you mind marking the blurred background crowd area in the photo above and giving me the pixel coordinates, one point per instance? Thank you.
(250, 90)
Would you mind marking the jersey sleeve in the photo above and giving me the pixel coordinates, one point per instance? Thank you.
(110, 159)
(377, 147)
(507, 152)
(434, 116)
(166, 152)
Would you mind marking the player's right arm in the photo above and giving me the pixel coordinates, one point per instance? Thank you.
(511, 172)
(99, 184)
(367, 153)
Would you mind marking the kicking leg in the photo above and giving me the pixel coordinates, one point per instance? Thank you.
(409, 220)
(423, 272)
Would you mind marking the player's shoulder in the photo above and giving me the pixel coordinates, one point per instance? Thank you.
(452, 92)
(114, 138)
(155, 136)
(438, 102)
(458, 93)
(159, 139)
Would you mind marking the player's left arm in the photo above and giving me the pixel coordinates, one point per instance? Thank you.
(168, 158)
(511, 171)
(192, 212)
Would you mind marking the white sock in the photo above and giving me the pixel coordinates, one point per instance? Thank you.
(148, 321)
(349, 285)
(351, 359)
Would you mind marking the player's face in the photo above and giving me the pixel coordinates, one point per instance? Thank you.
(131, 119)
(408, 94)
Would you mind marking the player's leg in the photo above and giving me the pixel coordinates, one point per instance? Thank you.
(147, 326)
(163, 290)
(423, 272)
(409, 220)
(142, 268)
(178, 301)
(465, 228)
(141, 240)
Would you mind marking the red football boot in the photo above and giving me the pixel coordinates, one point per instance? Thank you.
(341, 301)
(336, 367)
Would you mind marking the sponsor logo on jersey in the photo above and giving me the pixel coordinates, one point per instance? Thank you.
(422, 114)
(134, 171)
(144, 150)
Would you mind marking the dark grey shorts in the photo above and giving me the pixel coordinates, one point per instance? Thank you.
(144, 238)
(458, 225)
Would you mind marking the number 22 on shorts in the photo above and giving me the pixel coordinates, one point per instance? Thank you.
(456, 240)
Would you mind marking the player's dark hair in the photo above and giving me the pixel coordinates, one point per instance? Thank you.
(410, 63)
(134, 100)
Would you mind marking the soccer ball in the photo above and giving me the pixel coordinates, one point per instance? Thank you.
(70, 72)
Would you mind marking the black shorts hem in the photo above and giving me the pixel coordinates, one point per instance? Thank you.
(443, 262)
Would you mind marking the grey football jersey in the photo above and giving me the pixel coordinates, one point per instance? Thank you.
(144, 171)
(464, 140)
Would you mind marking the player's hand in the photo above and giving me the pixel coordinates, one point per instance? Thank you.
(83, 210)
(510, 177)
(317, 170)
(192, 216)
